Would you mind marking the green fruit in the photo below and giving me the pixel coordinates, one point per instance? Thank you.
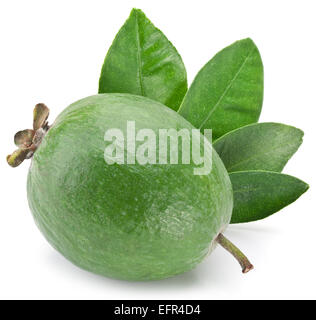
(134, 222)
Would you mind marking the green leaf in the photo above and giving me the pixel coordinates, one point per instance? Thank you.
(260, 146)
(227, 93)
(258, 194)
(142, 61)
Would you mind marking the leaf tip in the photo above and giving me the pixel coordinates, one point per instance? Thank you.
(301, 133)
(249, 43)
(136, 11)
(306, 187)
(248, 39)
(301, 188)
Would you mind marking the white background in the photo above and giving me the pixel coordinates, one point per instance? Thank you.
(52, 52)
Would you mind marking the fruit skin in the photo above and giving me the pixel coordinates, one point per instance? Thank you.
(133, 222)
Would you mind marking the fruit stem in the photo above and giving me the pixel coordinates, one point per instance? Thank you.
(232, 249)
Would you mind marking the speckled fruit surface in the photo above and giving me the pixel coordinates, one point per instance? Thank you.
(133, 222)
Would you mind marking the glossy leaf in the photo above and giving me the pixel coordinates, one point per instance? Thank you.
(227, 93)
(259, 146)
(258, 194)
(142, 61)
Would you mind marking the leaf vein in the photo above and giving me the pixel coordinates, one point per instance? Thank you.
(258, 156)
(227, 89)
(139, 58)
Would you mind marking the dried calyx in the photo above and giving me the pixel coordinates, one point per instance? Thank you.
(28, 140)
